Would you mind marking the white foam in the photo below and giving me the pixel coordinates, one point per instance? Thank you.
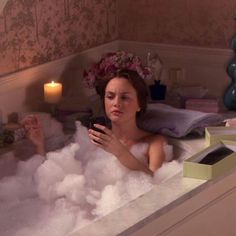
(73, 187)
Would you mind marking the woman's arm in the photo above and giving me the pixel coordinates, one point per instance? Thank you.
(156, 152)
(110, 143)
(128, 160)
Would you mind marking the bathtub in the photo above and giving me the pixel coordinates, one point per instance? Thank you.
(172, 205)
(163, 209)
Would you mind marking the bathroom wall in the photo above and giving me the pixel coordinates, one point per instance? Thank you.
(180, 22)
(63, 37)
(34, 32)
(197, 66)
(23, 90)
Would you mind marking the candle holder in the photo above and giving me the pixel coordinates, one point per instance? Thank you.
(53, 110)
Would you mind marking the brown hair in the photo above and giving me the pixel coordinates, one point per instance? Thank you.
(135, 80)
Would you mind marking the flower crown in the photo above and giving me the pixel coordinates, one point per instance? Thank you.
(113, 62)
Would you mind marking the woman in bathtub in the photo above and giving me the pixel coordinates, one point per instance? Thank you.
(124, 96)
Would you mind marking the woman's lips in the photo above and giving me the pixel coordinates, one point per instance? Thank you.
(116, 113)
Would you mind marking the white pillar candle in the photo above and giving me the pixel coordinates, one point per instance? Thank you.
(52, 92)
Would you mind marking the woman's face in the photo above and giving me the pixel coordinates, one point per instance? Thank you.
(121, 102)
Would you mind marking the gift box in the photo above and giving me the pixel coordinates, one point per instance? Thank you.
(215, 134)
(203, 105)
(212, 161)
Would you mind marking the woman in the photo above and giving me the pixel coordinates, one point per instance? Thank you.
(124, 98)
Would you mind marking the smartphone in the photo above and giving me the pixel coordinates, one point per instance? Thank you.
(216, 155)
(98, 120)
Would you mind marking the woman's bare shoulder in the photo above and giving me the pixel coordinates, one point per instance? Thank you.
(154, 138)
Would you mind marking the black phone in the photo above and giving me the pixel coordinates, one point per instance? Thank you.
(97, 120)
(216, 155)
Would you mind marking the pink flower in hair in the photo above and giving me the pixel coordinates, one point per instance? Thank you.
(113, 62)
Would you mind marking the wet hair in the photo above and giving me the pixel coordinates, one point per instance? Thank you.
(135, 80)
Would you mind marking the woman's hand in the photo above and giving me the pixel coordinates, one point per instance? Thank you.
(109, 142)
(34, 132)
(106, 140)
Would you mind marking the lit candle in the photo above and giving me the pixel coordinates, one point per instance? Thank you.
(52, 92)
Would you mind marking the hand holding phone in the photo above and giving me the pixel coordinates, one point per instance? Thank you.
(99, 135)
(97, 120)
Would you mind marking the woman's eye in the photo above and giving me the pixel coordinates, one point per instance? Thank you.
(108, 96)
(125, 98)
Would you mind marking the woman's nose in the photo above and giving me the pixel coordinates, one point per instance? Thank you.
(117, 102)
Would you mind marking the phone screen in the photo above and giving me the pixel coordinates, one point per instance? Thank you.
(216, 155)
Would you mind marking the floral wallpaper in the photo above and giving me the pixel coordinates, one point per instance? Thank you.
(33, 32)
(182, 22)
